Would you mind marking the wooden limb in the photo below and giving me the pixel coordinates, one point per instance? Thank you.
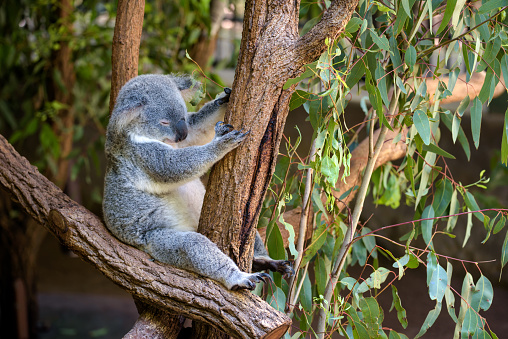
(240, 314)
(310, 46)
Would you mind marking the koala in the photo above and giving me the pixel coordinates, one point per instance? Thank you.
(156, 153)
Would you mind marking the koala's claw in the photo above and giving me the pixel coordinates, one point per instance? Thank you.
(249, 282)
(282, 266)
(225, 98)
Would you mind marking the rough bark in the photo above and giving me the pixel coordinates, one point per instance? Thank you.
(155, 324)
(271, 52)
(240, 314)
(125, 49)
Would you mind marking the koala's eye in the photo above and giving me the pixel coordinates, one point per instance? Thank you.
(164, 122)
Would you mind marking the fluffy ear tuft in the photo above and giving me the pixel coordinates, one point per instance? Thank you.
(190, 89)
(121, 119)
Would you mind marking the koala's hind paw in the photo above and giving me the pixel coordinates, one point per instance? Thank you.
(248, 281)
(225, 98)
(282, 266)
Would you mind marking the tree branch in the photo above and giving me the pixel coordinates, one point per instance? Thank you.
(311, 45)
(240, 314)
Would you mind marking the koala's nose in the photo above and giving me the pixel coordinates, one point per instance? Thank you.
(181, 130)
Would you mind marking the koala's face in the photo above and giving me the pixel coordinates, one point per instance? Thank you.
(164, 114)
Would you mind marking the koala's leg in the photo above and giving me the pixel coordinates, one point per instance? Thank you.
(195, 252)
(262, 260)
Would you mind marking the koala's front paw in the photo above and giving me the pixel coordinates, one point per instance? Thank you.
(224, 97)
(282, 266)
(227, 136)
(248, 281)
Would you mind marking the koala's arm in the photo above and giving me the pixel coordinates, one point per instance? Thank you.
(201, 122)
(166, 164)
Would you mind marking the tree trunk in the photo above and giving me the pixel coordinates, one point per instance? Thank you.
(271, 52)
(125, 49)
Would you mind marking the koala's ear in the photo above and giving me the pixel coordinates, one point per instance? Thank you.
(190, 89)
(122, 119)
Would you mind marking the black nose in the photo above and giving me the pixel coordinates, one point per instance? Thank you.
(181, 130)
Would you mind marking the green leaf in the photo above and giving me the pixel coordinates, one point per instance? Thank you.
(406, 7)
(449, 296)
(431, 266)
(450, 8)
(482, 295)
(464, 104)
(353, 24)
(298, 98)
(429, 320)
(277, 299)
(476, 120)
(470, 202)
(382, 42)
(499, 225)
(504, 254)
(275, 244)
(504, 140)
(472, 322)
(428, 212)
(318, 239)
(442, 197)
(454, 209)
(487, 87)
(438, 284)
(306, 294)
(372, 315)
(401, 312)
(430, 160)
(422, 124)
(492, 4)
(481, 334)
(395, 335)
(330, 168)
(375, 280)
(469, 226)
(467, 288)
(447, 120)
(395, 54)
(410, 57)
(356, 73)
(291, 238)
(435, 149)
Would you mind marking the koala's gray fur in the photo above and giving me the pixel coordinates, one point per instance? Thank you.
(153, 195)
